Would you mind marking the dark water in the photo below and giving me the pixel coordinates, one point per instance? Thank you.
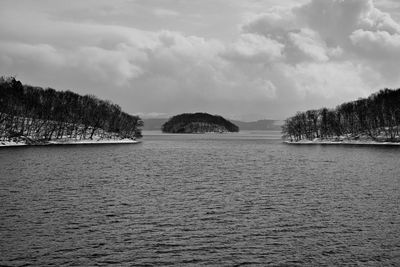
(214, 200)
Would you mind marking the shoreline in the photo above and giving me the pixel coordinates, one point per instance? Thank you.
(344, 142)
(69, 142)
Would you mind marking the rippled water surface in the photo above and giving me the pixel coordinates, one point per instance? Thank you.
(214, 200)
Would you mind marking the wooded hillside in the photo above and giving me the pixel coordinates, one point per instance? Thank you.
(47, 114)
(377, 117)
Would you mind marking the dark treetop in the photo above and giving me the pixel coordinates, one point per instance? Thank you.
(198, 123)
(377, 117)
(46, 114)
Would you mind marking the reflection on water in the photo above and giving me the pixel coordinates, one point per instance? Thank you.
(217, 200)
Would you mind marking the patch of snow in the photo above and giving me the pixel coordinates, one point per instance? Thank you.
(71, 142)
(94, 141)
(344, 142)
(11, 143)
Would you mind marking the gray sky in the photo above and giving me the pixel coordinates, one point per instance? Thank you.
(243, 59)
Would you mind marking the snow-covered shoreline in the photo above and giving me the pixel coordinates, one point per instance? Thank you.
(69, 142)
(342, 142)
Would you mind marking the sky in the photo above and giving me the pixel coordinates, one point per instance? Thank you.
(243, 59)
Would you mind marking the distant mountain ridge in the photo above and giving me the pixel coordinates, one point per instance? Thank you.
(260, 125)
(153, 124)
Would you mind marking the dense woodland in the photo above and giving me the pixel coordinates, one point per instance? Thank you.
(376, 117)
(198, 123)
(260, 125)
(46, 114)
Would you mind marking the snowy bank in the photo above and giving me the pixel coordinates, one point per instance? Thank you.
(27, 142)
(318, 141)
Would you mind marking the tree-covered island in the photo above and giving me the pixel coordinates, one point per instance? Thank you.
(198, 123)
(374, 119)
(33, 115)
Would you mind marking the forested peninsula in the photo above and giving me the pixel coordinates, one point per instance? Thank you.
(372, 120)
(36, 116)
(198, 123)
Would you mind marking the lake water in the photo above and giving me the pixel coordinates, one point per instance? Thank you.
(214, 200)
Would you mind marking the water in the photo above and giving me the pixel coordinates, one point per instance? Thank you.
(215, 200)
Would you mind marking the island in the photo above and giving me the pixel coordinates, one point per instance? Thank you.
(198, 123)
(367, 121)
(35, 116)
(155, 124)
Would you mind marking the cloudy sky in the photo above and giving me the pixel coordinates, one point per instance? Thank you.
(244, 59)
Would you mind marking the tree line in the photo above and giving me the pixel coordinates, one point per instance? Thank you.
(377, 117)
(47, 114)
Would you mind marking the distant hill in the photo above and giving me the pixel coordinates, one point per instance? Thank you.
(198, 123)
(156, 124)
(153, 124)
(258, 125)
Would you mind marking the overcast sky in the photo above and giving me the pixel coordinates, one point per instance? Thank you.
(243, 59)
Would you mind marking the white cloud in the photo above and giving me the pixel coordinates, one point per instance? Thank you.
(309, 43)
(325, 30)
(162, 12)
(26, 53)
(380, 44)
(377, 20)
(275, 23)
(328, 80)
(106, 65)
(254, 48)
